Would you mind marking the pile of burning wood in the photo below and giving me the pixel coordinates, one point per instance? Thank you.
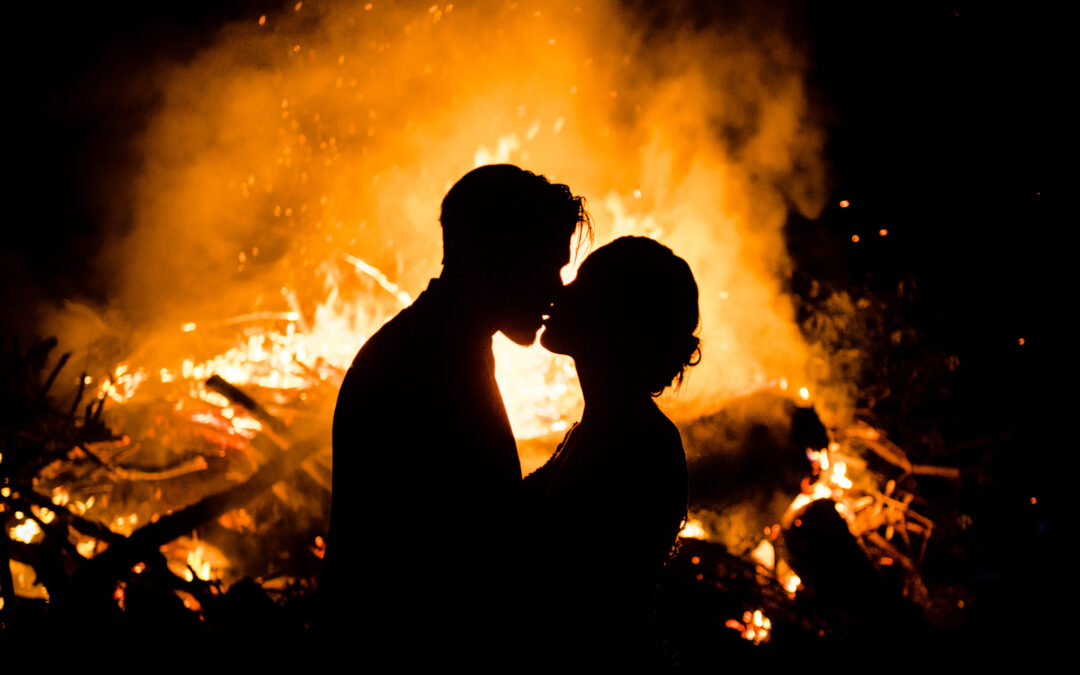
(838, 564)
(196, 518)
(209, 512)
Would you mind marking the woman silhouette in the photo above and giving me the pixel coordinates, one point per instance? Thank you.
(609, 503)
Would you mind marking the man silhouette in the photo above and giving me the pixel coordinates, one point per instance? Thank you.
(427, 480)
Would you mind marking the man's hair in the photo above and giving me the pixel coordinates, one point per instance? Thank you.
(496, 206)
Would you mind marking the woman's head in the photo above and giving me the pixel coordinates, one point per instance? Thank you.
(633, 309)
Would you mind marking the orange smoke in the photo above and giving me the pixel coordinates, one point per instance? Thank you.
(313, 136)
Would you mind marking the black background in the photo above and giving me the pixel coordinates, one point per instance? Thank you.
(946, 126)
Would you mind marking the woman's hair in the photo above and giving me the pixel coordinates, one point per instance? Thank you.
(648, 297)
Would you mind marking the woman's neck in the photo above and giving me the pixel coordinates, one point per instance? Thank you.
(607, 392)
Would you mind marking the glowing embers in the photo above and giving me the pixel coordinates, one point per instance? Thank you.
(791, 582)
(755, 626)
(190, 559)
(123, 384)
(804, 392)
(25, 582)
(61, 497)
(27, 527)
(87, 548)
(765, 556)
(124, 525)
(44, 514)
(27, 530)
(832, 479)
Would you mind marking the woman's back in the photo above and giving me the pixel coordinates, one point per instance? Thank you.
(609, 505)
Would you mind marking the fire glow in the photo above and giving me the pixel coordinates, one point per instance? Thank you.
(281, 216)
(755, 626)
(339, 153)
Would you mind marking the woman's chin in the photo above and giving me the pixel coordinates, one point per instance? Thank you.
(550, 341)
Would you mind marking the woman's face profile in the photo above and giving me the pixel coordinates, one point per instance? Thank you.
(631, 312)
(563, 324)
(588, 312)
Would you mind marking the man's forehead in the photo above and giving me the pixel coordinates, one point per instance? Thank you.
(543, 239)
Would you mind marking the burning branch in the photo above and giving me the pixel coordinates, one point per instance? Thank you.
(893, 454)
(218, 384)
(124, 553)
(128, 551)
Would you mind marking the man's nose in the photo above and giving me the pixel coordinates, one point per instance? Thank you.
(557, 278)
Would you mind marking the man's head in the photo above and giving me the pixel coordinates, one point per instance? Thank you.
(506, 234)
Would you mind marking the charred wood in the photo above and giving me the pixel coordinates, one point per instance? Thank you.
(234, 394)
(126, 552)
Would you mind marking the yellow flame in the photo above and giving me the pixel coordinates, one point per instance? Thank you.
(196, 562)
(124, 525)
(839, 476)
(693, 529)
(27, 532)
(77, 507)
(123, 384)
(25, 581)
(329, 157)
(755, 626)
(764, 554)
(792, 583)
(44, 514)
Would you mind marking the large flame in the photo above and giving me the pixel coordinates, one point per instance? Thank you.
(293, 173)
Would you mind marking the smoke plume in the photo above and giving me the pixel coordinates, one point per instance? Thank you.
(326, 129)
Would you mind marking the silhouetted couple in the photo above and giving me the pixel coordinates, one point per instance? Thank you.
(438, 552)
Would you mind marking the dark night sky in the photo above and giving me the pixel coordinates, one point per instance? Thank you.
(946, 122)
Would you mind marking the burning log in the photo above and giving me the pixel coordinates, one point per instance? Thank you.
(749, 448)
(124, 553)
(47, 439)
(234, 394)
(315, 471)
(180, 468)
(746, 462)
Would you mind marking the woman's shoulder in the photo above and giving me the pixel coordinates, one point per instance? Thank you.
(650, 439)
(653, 426)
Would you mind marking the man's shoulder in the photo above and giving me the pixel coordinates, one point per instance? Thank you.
(381, 382)
(409, 335)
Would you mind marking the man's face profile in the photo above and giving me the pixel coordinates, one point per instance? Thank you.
(506, 235)
(530, 283)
